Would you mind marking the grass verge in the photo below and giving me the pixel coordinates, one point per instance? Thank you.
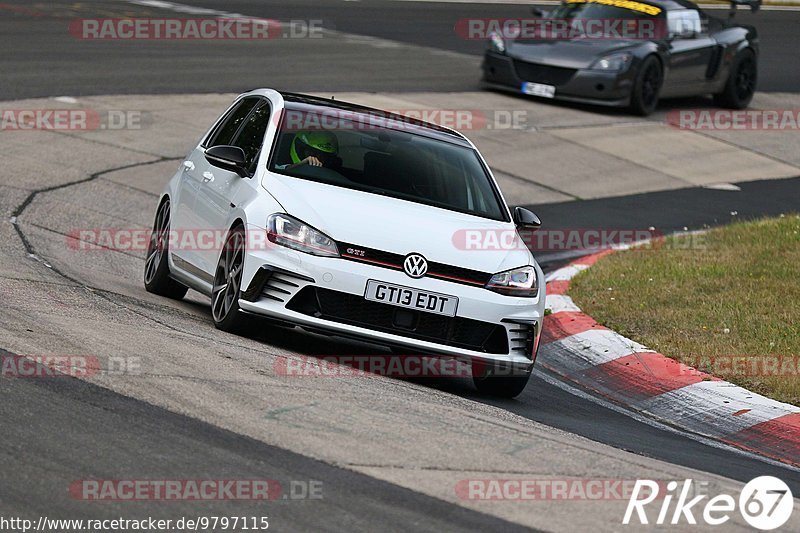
(726, 302)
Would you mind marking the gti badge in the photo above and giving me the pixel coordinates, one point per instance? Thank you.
(415, 266)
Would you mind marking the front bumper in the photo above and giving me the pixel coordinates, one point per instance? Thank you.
(326, 295)
(573, 85)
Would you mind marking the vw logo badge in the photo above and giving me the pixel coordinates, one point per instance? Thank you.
(415, 266)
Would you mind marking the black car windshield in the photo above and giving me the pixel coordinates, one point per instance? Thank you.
(382, 156)
(580, 11)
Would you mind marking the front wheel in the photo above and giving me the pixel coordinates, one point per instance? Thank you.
(644, 95)
(228, 284)
(496, 381)
(741, 84)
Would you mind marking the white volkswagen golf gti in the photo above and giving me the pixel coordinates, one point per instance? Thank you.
(356, 222)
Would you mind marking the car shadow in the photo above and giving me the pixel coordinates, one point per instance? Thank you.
(353, 353)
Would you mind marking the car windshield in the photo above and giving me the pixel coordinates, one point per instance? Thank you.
(580, 11)
(376, 155)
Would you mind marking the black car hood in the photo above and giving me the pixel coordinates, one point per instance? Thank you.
(572, 53)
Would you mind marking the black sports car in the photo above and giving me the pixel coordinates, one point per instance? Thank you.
(663, 48)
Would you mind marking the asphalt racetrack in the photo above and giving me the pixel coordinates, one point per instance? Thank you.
(387, 452)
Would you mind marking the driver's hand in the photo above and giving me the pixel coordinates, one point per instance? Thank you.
(312, 160)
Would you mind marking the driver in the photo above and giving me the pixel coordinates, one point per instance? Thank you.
(314, 148)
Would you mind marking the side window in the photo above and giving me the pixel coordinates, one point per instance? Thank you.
(251, 136)
(227, 128)
(684, 22)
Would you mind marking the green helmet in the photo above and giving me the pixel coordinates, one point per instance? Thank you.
(311, 142)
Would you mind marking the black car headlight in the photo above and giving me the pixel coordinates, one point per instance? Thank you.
(289, 232)
(521, 282)
(497, 43)
(613, 63)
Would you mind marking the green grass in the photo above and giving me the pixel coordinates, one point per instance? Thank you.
(722, 301)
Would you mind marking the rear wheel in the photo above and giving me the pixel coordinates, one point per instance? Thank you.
(228, 284)
(741, 84)
(156, 265)
(644, 95)
(496, 381)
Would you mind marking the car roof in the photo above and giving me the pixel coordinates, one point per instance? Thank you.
(409, 124)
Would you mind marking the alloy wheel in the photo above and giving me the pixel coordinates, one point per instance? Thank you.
(228, 278)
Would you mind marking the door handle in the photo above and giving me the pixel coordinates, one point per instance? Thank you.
(208, 177)
(188, 165)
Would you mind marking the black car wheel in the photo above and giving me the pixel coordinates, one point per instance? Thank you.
(741, 85)
(228, 284)
(496, 381)
(156, 266)
(644, 95)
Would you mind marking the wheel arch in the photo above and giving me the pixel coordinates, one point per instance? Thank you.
(237, 221)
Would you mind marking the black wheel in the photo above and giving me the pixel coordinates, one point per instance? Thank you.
(644, 95)
(741, 84)
(156, 266)
(501, 382)
(228, 284)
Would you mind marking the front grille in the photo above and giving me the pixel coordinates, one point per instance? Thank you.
(351, 309)
(394, 261)
(543, 73)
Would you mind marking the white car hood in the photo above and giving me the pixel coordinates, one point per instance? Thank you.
(397, 226)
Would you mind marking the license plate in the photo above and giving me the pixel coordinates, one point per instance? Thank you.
(539, 89)
(429, 302)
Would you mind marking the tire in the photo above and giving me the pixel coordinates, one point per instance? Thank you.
(490, 380)
(741, 84)
(228, 284)
(156, 264)
(644, 95)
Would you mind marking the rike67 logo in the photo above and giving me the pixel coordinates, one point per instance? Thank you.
(765, 503)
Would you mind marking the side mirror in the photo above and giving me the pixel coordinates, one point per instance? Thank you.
(525, 219)
(686, 33)
(754, 5)
(230, 158)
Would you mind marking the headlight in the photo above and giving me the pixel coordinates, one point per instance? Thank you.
(496, 43)
(518, 282)
(290, 232)
(613, 63)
